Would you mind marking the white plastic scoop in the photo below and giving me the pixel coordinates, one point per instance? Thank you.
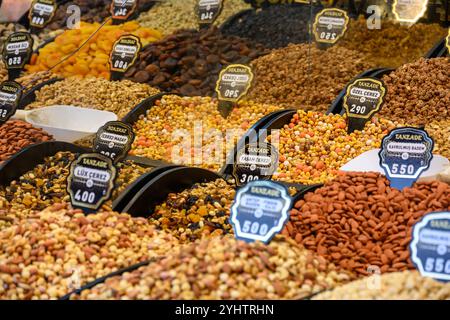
(370, 161)
(66, 123)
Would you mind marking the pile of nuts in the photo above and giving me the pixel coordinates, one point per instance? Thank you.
(188, 62)
(304, 77)
(16, 135)
(33, 79)
(53, 252)
(358, 220)
(275, 26)
(440, 132)
(393, 44)
(418, 92)
(314, 146)
(119, 97)
(184, 130)
(46, 185)
(3, 72)
(201, 211)
(93, 58)
(171, 15)
(224, 268)
(406, 285)
(91, 11)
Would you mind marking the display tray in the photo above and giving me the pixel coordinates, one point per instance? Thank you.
(26, 159)
(158, 187)
(439, 50)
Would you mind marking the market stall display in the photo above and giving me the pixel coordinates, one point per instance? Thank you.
(172, 15)
(304, 77)
(289, 24)
(224, 268)
(188, 62)
(92, 58)
(119, 97)
(358, 220)
(314, 146)
(193, 117)
(50, 253)
(406, 285)
(46, 184)
(392, 44)
(16, 135)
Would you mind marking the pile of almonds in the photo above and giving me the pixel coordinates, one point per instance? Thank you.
(358, 220)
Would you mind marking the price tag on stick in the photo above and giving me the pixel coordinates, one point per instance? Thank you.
(10, 95)
(233, 83)
(255, 162)
(122, 10)
(91, 181)
(124, 53)
(114, 140)
(430, 246)
(41, 13)
(405, 153)
(260, 211)
(409, 10)
(363, 98)
(208, 11)
(17, 52)
(329, 26)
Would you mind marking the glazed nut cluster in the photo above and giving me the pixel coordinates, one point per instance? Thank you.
(58, 250)
(314, 146)
(198, 212)
(119, 97)
(169, 128)
(224, 268)
(406, 285)
(358, 220)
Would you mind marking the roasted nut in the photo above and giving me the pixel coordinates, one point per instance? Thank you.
(406, 285)
(224, 268)
(119, 97)
(53, 252)
(358, 220)
(16, 135)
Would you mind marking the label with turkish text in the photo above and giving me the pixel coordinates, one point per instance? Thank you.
(122, 9)
(17, 51)
(124, 53)
(330, 25)
(41, 13)
(10, 94)
(114, 140)
(208, 11)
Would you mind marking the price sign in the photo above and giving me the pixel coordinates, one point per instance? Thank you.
(363, 98)
(208, 11)
(17, 52)
(124, 53)
(405, 153)
(41, 13)
(233, 83)
(114, 140)
(10, 94)
(260, 211)
(121, 10)
(430, 246)
(255, 162)
(330, 25)
(409, 10)
(91, 181)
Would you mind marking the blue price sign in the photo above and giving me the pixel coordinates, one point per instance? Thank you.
(430, 246)
(260, 211)
(405, 154)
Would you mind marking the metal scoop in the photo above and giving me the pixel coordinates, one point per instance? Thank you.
(66, 123)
